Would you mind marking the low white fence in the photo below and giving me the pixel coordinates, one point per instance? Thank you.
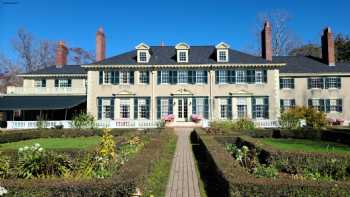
(267, 123)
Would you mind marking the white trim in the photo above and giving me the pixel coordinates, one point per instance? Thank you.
(313, 74)
(52, 75)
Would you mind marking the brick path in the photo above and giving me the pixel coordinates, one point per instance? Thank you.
(183, 180)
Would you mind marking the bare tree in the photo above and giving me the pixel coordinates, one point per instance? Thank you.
(283, 38)
(81, 56)
(9, 71)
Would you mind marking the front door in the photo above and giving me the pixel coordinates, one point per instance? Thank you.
(182, 109)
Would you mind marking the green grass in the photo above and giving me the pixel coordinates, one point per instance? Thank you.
(306, 145)
(55, 143)
(156, 183)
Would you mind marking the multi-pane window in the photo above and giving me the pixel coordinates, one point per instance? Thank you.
(333, 105)
(124, 77)
(286, 104)
(286, 83)
(259, 76)
(222, 56)
(125, 108)
(40, 83)
(142, 108)
(316, 104)
(144, 78)
(200, 106)
(182, 76)
(333, 82)
(182, 56)
(259, 108)
(64, 83)
(316, 83)
(143, 56)
(223, 108)
(107, 77)
(106, 109)
(241, 76)
(200, 76)
(164, 76)
(222, 76)
(241, 107)
(164, 107)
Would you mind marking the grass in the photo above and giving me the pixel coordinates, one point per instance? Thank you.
(156, 183)
(306, 145)
(55, 143)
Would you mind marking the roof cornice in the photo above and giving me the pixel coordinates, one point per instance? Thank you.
(53, 75)
(314, 74)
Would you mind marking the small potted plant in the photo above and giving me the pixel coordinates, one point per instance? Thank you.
(332, 121)
(168, 118)
(196, 118)
(340, 121)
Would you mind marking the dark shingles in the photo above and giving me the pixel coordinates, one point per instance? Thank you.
(66, 69)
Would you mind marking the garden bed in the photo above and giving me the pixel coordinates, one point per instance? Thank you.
(224, 175)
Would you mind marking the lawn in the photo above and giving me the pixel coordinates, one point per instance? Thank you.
(306, 145)
(55, 143)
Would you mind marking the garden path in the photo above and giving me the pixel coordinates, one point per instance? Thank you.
(183, 180)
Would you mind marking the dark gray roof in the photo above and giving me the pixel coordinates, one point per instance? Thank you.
(302, 64)
(66, 69)
(40, 102)
(166, 55)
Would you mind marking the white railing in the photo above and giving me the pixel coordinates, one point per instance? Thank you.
(11, 90)
(36, 124)
(267, 123)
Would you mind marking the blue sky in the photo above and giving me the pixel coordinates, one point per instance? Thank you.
(128, 23)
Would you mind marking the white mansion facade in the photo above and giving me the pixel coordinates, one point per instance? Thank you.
(213, 82)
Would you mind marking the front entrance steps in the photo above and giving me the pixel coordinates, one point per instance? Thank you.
(183, 124)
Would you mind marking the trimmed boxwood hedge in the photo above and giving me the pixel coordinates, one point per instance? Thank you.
(123, 183)
(223, 175)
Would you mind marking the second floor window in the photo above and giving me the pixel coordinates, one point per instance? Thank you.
(259, 78)
(124, 77)
(315, 83)
(201, 76)
(63, 83)
(164, 76)
(333, 82)
(222, 76)
(41, 83)
(241, 76)
(144, 77)
(107, 77)
(182, 76)
(287, 83)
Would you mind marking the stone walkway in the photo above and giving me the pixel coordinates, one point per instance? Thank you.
(183, 180)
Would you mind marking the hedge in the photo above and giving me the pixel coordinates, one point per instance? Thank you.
(223, 176)
(7, 136)
(123, 183)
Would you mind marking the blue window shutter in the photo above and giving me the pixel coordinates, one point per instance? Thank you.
(266, 107)
(229, 108)
(170, 106)
(281, 80)
(281, 105)
(190, 77)
(136, 107)
(328, 105)
(250, 76)
(253, 107)
(228, 76)
(158, 108)
(205, 76)
(216, 76)
(322, 105)
(112, 77)
(293, 83)
(112, 109)
(326, 83)
(339, 105)
(101, 77)
(308, 83)
(293, 102)
(148, 106)
(309, 103)
(116, 75)
(147, 77)
(323, 83)
(265, 76)
(43, 83)
(131, 77)
(158, 77)
(56, 83)
(233, 76)
(339, 82)
(194, 105)
(69, 83)
(99, 108)
(206, 108)
(174, 77)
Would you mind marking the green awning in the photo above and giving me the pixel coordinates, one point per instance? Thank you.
(40, 102)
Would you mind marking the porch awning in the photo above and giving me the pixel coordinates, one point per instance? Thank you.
(40, 102)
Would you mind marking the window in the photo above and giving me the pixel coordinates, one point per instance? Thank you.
(286, 83)
(107, 77)
(333, 105)
(241, 76)
(182, 76)
(200, 106)
(316, 104)
(200, 76)
(143, 56)
(124, 108)
(40, 83)
(260, 109)
(223, 108)
(316, 83)
(164, 76)
(286, 104)
(223, 56)
(182, 56)
(64, 83)
(259, 78)
(333, 82)
(241, 107)
(124, 77)
(106, 109)
(142, 108)
(164, 106)
(222, 76)
(144, 78)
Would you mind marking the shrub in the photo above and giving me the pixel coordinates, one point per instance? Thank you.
(265, 171)
(83, 121)
(106, 148)
(291, 118)
(4, 166)
(244, 124)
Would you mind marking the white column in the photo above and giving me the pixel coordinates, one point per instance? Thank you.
(117, 108)
(131, 102)
(234, 108)
(249, 107)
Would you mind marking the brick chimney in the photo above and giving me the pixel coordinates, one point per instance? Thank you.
(100, 45)
(328, 47)
(266, 42)
(61, 54)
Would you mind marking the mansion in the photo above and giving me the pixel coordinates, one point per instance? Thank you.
(214, 82)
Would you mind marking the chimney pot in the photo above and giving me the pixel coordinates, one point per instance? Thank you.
(61, 54)
(327, 42)
(266, 41)
(100, 45)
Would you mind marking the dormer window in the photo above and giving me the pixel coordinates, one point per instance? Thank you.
(222, 52)
(182, 52)
(143, 54)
